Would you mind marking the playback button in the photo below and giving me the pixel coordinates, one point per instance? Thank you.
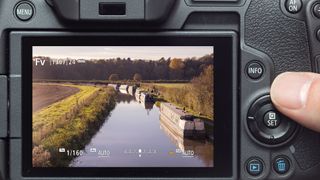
(254, 166)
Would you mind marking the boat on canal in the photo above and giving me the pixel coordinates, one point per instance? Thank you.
(114, 86)
(180, 122)
(187, 146)
(143, 96)
(124, 87)
(137, 94)
(131, 90)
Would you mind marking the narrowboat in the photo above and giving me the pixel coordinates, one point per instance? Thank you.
(180, 122)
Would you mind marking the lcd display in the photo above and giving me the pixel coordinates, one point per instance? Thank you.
(122, 106)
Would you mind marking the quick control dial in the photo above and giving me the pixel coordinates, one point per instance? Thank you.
(267, 125)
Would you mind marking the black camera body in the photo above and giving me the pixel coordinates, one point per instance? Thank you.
(253, 40)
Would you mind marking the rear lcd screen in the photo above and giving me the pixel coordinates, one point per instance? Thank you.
(122, 106)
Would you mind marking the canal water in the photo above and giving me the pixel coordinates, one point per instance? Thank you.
(134, 136)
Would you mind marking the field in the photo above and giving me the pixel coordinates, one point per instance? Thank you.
(69, 122)
(46, 94)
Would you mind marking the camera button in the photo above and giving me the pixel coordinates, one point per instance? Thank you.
(318, 34)
(293, 6)
(281, 165)
(24, 11)
(272, 119)
(254, 70)
(267, 125)
(318, 63)
(316, 10)
(254, 166)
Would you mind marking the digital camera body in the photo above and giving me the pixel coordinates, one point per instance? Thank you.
(253, 40)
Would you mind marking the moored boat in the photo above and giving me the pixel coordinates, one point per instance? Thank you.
(182, 123)
(124, 87)
(131, 90)
(115, 86)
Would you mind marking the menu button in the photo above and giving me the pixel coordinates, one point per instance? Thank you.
(24, 11)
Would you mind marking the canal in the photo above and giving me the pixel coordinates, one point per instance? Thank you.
(134, 136)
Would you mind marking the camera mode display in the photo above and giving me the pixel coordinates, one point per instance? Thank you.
(122, 106)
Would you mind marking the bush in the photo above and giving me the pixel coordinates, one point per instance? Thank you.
(40, 157)
(196, 96)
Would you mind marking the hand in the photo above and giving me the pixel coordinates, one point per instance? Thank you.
(297, 95)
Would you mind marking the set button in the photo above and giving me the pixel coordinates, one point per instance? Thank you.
(272, 119)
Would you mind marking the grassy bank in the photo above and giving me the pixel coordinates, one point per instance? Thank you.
(77, 132)
(60, 113)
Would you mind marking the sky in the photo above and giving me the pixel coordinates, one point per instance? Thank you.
(134, 52)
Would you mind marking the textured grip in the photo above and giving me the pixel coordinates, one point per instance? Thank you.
(282, 38)
(285, 40)
(307, 150)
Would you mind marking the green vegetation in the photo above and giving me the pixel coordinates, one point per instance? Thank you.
(173, 68)
(114, 77)
(195, 97)
(129, 82)
(60, 113)
(172, 85)
(137, 77)
(76, 130)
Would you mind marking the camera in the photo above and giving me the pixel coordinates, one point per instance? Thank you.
(153, 89)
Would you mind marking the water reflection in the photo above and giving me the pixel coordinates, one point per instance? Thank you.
(130, 137)
(126, 98)
(202, 149)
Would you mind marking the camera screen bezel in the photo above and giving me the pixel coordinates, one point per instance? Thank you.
(224, 87)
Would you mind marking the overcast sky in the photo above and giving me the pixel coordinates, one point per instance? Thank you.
(134, 52)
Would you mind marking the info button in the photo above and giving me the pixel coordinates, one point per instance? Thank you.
(254, 70)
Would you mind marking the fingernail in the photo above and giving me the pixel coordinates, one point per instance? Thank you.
(290, 90)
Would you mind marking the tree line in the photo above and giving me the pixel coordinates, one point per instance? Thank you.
(197, 96)
(123, 69)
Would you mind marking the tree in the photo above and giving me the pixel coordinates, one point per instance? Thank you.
(203, 91)
(114, 77)
(177, 68)
(137, 77)
(176, 64)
